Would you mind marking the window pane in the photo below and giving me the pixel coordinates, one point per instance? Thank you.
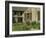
(19, 19)
(30, 16)
(38, 15)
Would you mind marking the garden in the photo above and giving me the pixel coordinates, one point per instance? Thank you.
(26, 26)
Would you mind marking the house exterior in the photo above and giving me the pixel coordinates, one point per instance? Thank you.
(24, 14)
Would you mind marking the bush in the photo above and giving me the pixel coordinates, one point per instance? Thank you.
(34, 22)
(28, 22)
(36, 25)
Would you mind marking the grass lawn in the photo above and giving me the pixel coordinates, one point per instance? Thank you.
(24, 26)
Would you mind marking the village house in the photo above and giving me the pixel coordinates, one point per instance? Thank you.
(24, 14)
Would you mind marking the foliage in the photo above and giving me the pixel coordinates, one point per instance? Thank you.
(28, 22)
(25, 26)
(36, 25)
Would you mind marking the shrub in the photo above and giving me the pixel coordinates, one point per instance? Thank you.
(36, 25)
(34, 22)
(28, 22)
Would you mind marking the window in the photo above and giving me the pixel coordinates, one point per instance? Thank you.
(28, 16)
(17, 18)
(38, 15)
